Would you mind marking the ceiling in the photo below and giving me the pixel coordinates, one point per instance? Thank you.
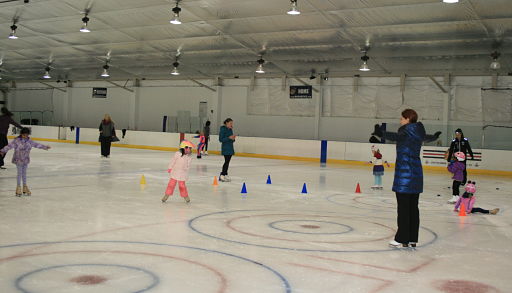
(224, 38)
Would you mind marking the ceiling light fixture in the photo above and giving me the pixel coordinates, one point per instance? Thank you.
(175, 71)
(176, 10)
(450, 1)
(47, 73)
(294, 10)
(260, 69)
(105, 70)
(495, 65)
(12, 35)
(85, 21)
(364, 66)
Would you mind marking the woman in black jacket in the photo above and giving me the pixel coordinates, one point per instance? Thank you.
(460, 144)
(5, 121)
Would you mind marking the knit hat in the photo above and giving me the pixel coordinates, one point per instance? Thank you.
(458, 130)
(186, 143)
(460, 156)
(470, 187)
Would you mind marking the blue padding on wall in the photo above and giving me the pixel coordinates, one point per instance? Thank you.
(77, 140)
(323, 152)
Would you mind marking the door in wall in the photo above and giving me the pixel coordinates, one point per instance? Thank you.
(203, 113)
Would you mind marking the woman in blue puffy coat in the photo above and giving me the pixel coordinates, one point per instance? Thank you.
(408, 182)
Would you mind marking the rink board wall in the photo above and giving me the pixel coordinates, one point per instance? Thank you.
(492, 161)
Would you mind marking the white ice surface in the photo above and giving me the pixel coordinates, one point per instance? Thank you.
(89, 216)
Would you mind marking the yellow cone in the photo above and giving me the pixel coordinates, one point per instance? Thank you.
(143, 180)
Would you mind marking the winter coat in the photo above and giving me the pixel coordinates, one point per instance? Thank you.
(461, 145)
(22, 147)
(206, 131)
(107, 129)
(408, 170)
(179, 166)
(227, 143)
(468, 202)
(5, 120)
(457, 168)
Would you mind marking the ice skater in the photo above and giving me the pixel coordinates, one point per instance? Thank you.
(457, 167)
(460, 144)
(468, 200)
(200, 145)
(178, 168)
(21, 158)
(378, 167)
(206, 131)
(227, 139)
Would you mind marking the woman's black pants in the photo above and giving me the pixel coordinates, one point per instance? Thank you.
(225, 167)
(408, 217)
(106, 142)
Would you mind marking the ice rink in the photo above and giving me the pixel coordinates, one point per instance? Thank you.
(89, 226)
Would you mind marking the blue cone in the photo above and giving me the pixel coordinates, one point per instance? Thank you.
(269, 181)
(244, 189)
(304, 189)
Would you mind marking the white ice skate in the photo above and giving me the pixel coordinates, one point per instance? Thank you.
(222, 178)
(454, 199)
(227, 178)
(206, 153)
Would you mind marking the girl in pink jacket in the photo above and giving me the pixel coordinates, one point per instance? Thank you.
(178, 168)
(468, 199)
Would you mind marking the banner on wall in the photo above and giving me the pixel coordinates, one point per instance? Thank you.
(301, 92)
(433, 157)
(99, 92)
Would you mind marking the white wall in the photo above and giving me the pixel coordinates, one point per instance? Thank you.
(376, 100)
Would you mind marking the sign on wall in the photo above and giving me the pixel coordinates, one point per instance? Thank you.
(301, 92)
(99, 92)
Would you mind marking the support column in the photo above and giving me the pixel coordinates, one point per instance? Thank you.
(318, 113)
(219, 111)
(133, 122)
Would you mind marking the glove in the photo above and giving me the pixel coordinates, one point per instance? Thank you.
(169, 170)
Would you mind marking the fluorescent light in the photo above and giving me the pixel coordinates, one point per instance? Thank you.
(260, 69)
(364, 67)
(176, 10)
(12, 35)
(105, 71)
(450, 1)
(84, 28)
(495, 65)
(294, 10)
(175, 71)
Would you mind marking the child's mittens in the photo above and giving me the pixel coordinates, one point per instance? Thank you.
(169, 170)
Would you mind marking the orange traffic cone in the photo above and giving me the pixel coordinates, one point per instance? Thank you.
(358, 188)
(462, 210)
(215, 183)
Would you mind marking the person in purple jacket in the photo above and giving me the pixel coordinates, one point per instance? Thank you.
(457, 168)
(21, 158)
(5, 121)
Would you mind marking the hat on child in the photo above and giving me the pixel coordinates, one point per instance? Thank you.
(186, 143)
(460, 156)
(470, 187)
